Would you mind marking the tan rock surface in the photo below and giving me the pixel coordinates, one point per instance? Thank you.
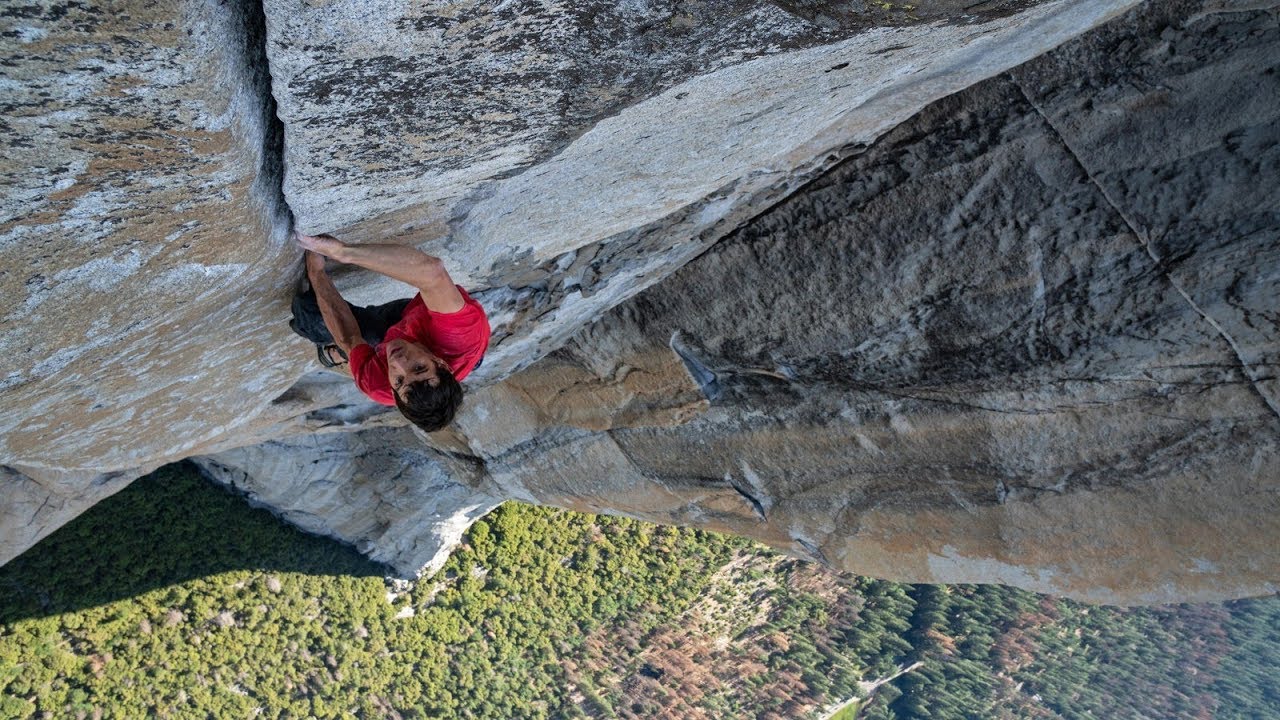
(144, 264)
(1024, 334)
(958, 356)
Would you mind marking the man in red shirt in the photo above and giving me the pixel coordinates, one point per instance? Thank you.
(411, 354)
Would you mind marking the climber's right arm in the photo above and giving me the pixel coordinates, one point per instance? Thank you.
(406, 264)
(337, 315)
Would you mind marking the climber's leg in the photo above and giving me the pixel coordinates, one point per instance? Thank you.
(307, 320)
(374, 320)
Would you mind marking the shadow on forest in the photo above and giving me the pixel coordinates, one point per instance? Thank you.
(166, 528)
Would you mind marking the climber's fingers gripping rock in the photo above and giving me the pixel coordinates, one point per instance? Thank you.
(326, 245)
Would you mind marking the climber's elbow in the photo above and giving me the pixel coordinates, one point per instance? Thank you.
(439, 293)
(430, 273)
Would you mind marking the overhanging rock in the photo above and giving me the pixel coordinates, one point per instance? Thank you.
(149, 268)
(394, 499)
(1026, 337)
(559, 167)
(141, 238)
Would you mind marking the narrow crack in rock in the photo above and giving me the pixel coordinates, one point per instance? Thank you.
(748, 496)
(1145, 238)
(269, 183)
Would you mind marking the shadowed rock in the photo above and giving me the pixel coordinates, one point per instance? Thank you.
(1023, 334)
(1008, 343)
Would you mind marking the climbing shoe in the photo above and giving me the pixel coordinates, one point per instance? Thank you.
(326, 353)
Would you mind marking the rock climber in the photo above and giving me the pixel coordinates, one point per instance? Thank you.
(408, 353)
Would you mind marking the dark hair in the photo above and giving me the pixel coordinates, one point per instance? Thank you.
(430, 408)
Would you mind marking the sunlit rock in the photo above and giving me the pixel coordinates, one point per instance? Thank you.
(930, 299)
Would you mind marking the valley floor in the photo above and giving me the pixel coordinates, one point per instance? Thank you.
(175, 599)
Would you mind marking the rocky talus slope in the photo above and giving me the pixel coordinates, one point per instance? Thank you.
(931, 294)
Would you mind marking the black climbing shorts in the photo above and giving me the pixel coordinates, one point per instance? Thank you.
(374, 320)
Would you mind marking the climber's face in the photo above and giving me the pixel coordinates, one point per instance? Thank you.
(409, 362)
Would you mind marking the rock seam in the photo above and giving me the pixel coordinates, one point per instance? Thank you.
(1145, 238)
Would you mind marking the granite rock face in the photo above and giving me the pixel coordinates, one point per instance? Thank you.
(563, 156)
(150, 173)
(934, 301)
(383, 491)
(1026, 337)
(141, 241)
(903, 389)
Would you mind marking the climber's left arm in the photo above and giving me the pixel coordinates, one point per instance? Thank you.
(338, 318)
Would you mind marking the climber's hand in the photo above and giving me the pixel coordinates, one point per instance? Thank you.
(326, 245)
(314, 262)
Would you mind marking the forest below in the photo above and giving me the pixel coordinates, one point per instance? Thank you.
(175, 599)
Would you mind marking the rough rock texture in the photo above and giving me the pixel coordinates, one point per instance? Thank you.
(563, 156)
(393, 498)
(1026, 337)
(144, 223)
(1045, 310)
(140, 239)
(1025, 333)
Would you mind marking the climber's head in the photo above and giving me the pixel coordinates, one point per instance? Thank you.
(425, 390)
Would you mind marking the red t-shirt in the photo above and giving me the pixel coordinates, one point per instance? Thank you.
(459, 338)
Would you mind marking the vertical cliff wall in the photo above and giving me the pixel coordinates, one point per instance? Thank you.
(142, 240)
(1026, 337)
(930, 298)
(560, 157)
